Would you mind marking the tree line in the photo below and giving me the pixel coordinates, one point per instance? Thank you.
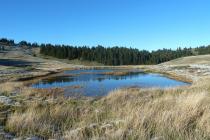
(111, 55)
(202, 50)
(114, 55)
(11, 42)
(8, 42)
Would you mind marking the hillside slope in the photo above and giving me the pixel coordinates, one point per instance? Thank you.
(199, 59)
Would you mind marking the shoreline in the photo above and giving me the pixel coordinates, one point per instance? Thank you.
(30, 80)
(35, 99)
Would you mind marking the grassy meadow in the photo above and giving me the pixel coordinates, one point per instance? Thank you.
(176, 113)
(133, 113)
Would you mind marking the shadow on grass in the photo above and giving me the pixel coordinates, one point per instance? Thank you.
(16, 63)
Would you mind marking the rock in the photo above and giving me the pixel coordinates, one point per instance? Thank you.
(27, 138)
(158, 138)
(17, 104)
(107, 127)
(5, 100)
(33, 138)
(18, 139)
(93, 125)
(6, 136)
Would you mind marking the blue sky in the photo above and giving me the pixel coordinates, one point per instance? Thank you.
(142, 24)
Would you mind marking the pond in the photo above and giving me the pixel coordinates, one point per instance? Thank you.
(101, 82)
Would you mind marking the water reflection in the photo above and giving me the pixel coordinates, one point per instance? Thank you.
(100, 82)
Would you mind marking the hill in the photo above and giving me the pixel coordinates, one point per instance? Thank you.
(199, 59)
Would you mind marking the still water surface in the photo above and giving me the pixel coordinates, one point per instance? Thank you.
(97, 83)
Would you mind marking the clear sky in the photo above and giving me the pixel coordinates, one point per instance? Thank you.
(142, 24)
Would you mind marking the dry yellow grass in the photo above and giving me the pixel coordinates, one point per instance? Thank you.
(10, 86)
(200, 59)
(176, 113)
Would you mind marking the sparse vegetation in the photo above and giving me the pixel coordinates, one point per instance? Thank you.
(124, 114)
